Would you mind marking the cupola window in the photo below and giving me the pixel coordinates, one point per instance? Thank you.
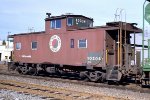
(56, 24)
(70, 21)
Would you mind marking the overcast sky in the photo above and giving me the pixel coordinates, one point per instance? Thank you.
(17, 16)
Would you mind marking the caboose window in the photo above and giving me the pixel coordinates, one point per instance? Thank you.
(72, 43)
(70, 21)
(18, 46)
(53, 24)
(82, 43)
(34, 45)
(56, 24)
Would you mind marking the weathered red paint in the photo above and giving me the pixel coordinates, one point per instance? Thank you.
(96, 42)
(66, 55)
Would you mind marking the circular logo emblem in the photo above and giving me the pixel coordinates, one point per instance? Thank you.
(55, 43)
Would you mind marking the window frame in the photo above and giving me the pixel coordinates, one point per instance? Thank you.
(68, 21)
(56, 24)
(79, 43)
(53, 24)
(32, 45)
(18, 44)
(71, 43)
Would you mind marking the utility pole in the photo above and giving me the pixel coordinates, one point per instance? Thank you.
(8, 39)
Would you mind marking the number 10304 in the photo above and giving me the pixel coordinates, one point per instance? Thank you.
(94, 58)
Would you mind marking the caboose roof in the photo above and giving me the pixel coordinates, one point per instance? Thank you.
(111, 26)
(11, 36)
(130, 27)
(65, 16)
(115, 26)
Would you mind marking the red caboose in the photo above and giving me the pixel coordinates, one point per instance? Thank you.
(71, 43)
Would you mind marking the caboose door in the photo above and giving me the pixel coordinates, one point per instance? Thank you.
(110, 50)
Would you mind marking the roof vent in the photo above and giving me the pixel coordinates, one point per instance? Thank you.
(68, 13)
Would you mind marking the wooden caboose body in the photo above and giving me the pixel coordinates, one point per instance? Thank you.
(71, 42)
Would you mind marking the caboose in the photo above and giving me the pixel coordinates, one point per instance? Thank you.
(71, 44)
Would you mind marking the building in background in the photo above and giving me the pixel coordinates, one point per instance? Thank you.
(6, 48)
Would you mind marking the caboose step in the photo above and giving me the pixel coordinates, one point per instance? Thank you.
(113, 74)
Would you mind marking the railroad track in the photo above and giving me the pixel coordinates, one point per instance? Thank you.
(51, 92)
(68, 84)
(132, 87)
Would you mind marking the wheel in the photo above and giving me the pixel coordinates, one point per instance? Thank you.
(94, 76)
(24, 70)
(18, 70)
(33, 71)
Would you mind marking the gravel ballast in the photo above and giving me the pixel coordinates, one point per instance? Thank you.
(126, 94)
(13, 95)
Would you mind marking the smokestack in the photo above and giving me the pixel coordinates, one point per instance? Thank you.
(48, 14)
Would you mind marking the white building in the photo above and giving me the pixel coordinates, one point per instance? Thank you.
(5, 51)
